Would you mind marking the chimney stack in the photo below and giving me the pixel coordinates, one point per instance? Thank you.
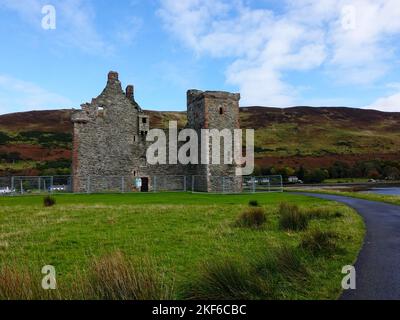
(129, 92)
(112, 76)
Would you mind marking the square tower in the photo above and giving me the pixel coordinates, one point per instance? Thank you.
(215, 110)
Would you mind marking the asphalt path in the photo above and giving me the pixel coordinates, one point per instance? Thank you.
(378, 264)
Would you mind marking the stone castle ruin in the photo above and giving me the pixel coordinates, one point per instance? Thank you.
(110, 141)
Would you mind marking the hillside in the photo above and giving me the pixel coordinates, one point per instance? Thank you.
(40, 141)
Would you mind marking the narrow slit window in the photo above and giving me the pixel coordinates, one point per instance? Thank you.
(221, 111)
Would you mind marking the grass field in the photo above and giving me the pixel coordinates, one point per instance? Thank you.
(360, 195)
(179, 232)
(347, 180)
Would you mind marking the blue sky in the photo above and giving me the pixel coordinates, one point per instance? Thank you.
(275, 53)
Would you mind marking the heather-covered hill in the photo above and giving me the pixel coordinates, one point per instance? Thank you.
(40, 141)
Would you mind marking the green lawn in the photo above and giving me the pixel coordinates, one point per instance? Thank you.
(347, 180)
(360, 195)
(179, 231)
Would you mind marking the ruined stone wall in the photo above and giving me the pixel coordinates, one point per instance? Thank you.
(171, 172)
(106, 137)
(110, 141)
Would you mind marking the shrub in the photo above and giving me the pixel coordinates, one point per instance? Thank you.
(338, 214)
(291, 218)
(49, 201)
(113, 277)
(320, 242)
(253, 203)
(251, 218)
(10, 157)
(4, 138)
(46, 139)
(227, 280)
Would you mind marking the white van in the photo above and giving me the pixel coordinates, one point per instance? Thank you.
(6, 191)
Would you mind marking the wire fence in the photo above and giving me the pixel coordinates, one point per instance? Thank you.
(5, 185)
(170, 183)
(237, 184)
(19, 185)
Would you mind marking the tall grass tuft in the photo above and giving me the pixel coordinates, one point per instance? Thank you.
(284, 263)
(290, 264)
(320, 242)
(251, 218)
(264, 276)
(114, 277)
(292, 218)
(16, 284)
(227, 279)
(49, 201)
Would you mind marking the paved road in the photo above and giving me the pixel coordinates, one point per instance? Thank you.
(378, 265)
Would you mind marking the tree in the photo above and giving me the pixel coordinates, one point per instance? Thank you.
(316, 176)
(290, 171)
(391, 173)
(266, 171)
(301, 173)
(339, 170)
(257, 170)
(373, 174)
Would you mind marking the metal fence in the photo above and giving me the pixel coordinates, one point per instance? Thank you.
(35, 185)
(116, 184)
(169, 183)
(237, 184)
(5, 185)
(263, 184)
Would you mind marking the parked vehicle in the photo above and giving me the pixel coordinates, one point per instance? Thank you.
(58, 188)
(6, 191)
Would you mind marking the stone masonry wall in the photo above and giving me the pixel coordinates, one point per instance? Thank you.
(106, 139)
(214, 110)
(110, 140)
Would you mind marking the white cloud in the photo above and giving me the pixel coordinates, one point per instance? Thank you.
(309, 34)
(126, 32)
(78, 18)
(362, 54)
(29, 10)
(21, 95)
(390, 103)
(75, 23)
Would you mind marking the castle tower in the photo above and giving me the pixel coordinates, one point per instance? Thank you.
(215, 110)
